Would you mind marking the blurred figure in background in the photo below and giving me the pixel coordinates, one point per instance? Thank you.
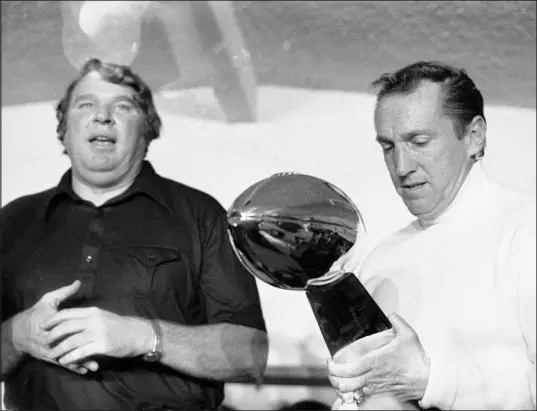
(458, 283)
(204, 37)
(120, 287)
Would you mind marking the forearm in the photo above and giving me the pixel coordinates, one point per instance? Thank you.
(460, 385)
(218, 351)
(11, 357)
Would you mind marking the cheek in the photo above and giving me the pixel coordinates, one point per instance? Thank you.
(75, 125)
(71, 136)
(390, 165)
(132, 127)
(436, 161)
(449, 162)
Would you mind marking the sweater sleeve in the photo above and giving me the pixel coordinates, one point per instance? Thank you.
(458, 385)
(462, 386)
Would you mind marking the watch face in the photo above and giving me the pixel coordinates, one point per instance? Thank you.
(152, 357)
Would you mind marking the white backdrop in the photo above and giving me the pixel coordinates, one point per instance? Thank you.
(325, 134)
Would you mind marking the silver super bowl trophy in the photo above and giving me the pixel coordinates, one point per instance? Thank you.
(288, 230)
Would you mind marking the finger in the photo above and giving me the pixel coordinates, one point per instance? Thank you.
(346, 397)
(72, 367)
(67, 314)
(364, 345)
(339, 404)
(91, 365)
(348, 385)
(79, 354)
(370, 389)
(64, 329)
(76, 368)
(400, 325)
(55, 297)
(352, 369)
(384, 388)
(81, 368)
(69, 344)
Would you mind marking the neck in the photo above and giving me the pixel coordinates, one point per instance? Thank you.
(98, 194)
(427, 220)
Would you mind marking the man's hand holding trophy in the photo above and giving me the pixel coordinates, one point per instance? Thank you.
(292, 231)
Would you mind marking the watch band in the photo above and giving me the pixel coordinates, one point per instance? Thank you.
(158, 337)
(156, 352)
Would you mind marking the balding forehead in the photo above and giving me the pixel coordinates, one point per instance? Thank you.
(427, 98)
(402, 113)
(427, 91)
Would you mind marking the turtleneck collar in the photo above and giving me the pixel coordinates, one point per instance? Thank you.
(464, 201)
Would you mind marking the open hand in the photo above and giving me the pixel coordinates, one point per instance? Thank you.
(29, 335)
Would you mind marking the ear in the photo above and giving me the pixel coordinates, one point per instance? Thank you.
(476, 134)
(62, 141)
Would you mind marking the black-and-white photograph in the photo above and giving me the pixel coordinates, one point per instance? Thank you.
(268, 205)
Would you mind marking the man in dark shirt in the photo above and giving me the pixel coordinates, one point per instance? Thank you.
(120, 287)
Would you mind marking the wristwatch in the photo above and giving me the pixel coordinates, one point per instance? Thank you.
(155, 354)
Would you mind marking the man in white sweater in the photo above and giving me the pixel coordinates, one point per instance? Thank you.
(458, 283)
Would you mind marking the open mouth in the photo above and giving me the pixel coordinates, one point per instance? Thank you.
(101, 139)
(413, 186)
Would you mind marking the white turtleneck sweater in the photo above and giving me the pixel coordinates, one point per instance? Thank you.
(466, 283)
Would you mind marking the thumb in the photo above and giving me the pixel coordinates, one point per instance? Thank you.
(55, 297)
(400, 326)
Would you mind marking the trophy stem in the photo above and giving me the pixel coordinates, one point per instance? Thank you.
(344, 310)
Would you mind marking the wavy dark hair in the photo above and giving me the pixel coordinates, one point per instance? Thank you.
(462, 100)
(116, 74)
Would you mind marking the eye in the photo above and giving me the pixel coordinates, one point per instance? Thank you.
(386, 147)
(124, 107)
(85, 104)
(421, 141)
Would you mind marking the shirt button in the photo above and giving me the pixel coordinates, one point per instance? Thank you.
(88, 258)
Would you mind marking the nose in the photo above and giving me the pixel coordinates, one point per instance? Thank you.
(404, 161)
(104, 116)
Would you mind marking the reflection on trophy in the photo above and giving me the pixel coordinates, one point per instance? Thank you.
(288, 230)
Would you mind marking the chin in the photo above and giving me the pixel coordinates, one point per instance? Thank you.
(417, 211)
(101, 164)
(100, 174)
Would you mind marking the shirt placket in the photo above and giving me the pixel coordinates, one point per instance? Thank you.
(91, 253)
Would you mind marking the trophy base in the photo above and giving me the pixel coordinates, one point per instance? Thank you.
(344, 310)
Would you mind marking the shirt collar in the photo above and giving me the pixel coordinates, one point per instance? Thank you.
(466, 199)
(147, 183)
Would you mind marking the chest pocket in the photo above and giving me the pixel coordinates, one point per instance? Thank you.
(160, 271)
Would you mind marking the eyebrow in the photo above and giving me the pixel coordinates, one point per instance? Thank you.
(381, 140)
(405, 136)
(91, 96)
